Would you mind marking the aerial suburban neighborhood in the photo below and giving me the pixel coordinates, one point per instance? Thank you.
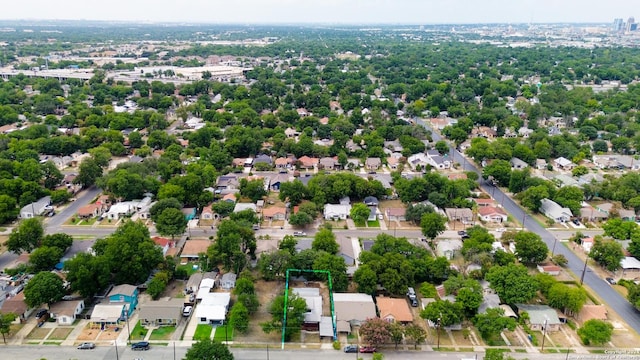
(402, 192)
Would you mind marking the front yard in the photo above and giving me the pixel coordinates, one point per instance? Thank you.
(203, 332)
(162, 333)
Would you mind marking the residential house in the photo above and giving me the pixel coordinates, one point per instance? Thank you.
(463, 215)
(371, 201)
(302, 112)
(207, 213)
(121, 209)
(630, 267)
(285, 162)
(16, 305)
(563, 180)
(489, 301)
(549, 269)
(328, 163)
(305, 162)
(394, 146)
(193, 248)
(124, 293)
(189, 213)
(353, 308)
(274, 213)
(393, 162)
(540, 316)
(106, 315)
(588, 213)
(228, 281)
(213, 308)
(492, 214)
(291, 133)
(161, 312)
(438, 161)
(227, 182)
(619, 162)
(336, 211)
(351, 146)
(448, 248)
(37, 208)
(90, 211)
(278, 180)
(394, 310)
(418, 160)
(263, 159)
(587, 244)
(230, 197)
(313, 315)
(552, 210)
(484, 202)
(245, 206)
(484, 131)
(65, 312)
(396, 214)
(627, 215)
(518, 164)
(541, 164)
(373, 163)
(562, 163)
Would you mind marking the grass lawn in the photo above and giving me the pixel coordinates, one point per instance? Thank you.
(188, 268)
(52, 343)
(163, 333)
(375, 223)
(60, 334)
(203, 332)
(38, 333)
(223, 333)
(138, 332)
(88, 222)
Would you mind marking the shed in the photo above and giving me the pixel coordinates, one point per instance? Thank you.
(228, 281)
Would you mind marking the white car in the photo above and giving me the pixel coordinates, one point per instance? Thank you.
(299, 233)
(501, 229)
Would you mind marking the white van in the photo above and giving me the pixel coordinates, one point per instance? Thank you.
(186, 312)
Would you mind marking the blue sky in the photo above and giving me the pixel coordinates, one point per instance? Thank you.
(327, 11)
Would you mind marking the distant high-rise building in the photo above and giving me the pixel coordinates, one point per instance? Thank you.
(630, 23)
(618, 25)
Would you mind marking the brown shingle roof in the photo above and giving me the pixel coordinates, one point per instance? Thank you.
(396, 308)
(194, 247)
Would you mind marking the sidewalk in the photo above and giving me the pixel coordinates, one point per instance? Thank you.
(22, 333)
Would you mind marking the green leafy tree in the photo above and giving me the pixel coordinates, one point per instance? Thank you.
(492, 323)
(297, 307)
(530, 248)
(365, 279)
(8, 208)
(532, 197)
(293, 191)
(45, 258)
(61, 241)
(336, 266)
(171, 222)
(443, 311)
(253, 189)
(595, 332)
(87, 274)
(163, 204)
(416, 333)
(432, 224)
(607, 253)
(289, 244)
(414, 212)
(300, 219)
(569, 299)
(44, 288)
(158, 284)
(244, 286)
(88, 173)
(208, 349)
(239, 317)
(512, 283)
(375, 331)
(325, 240)
(250, 301)
(274, 265)
(620, 229)
(499, 170)
(26, 237)
(5, 324)
(396, 332)
(359, 213)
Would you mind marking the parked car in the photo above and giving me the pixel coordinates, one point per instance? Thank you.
(187, 311)
(367, 349)
(351, 349)
(86, 346)
(611, 281)
(299, 233)
(462, 232)
(465, 236)
(576, 221)
(413, 298)
(141, 345)
(41, 313)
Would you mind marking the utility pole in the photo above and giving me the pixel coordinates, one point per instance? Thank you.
(439, 325)
(584, 270)
(115, 342)
(544, 334)
(553, 250)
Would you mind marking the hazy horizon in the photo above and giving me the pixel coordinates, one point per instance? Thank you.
(345, 12)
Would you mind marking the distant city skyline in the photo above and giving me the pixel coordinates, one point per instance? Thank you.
(327, 11)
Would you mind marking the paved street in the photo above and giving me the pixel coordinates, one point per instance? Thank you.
(615, 301)
(274, 353)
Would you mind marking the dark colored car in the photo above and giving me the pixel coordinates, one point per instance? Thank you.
(462, 232)
(41, 313)
(351, 349)
(465, 236)
(142, 345)
(367, 349)
(611, 281)
(86, 346)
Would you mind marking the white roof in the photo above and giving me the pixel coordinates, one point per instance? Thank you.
(216, 299)
(211, 312)
(302, 292)
(630, 262)
(336, 209)
(244, 206)
(107, 312)
(351, 297)
(202, 292)
(207, 283)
